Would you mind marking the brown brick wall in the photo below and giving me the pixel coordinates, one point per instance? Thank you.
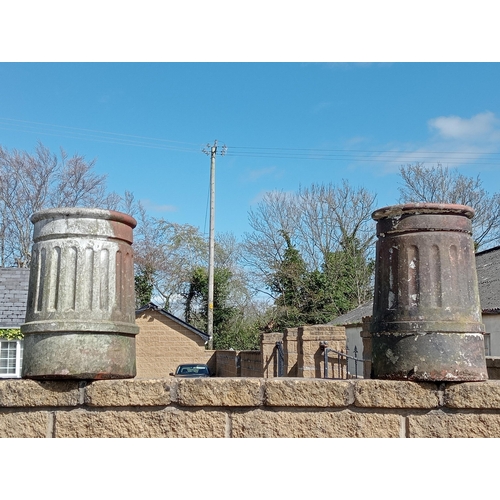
(248, 407)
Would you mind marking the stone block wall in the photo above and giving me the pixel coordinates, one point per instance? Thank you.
(238, 363)
(248, 408)
(251, 364)
(227, 363)
(269, 353)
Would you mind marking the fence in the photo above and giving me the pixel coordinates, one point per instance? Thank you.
(345, 366)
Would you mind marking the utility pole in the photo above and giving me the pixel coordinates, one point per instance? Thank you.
(212, 150)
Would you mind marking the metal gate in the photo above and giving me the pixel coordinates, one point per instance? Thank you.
(347, 365)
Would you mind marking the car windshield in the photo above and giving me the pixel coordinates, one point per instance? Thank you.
(192, 370)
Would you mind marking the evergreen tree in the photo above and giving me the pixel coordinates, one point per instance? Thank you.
(315, 297)
(196, 302)
(143, 286)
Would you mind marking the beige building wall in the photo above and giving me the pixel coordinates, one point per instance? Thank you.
(248, 408)
(162, 344)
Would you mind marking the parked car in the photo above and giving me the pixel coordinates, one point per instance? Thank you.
(193, 370)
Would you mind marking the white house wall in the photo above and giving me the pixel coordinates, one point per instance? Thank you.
(353, 334)
(492, 326)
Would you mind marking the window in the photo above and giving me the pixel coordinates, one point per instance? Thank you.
(487, 344)
(11, 356)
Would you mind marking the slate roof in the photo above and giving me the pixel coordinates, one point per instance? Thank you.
(355, 316)
(488, 276)
(13, 296)
(179, 321)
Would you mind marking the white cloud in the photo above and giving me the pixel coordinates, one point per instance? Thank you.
(153, 207)
(321, 106)
(255, 175)
(482, 127)
(454, 142)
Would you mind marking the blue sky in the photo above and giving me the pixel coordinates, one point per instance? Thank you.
(284, 124)
(374, 112)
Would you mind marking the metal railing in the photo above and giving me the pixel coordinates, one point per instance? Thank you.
(281, 359)
(342, 362)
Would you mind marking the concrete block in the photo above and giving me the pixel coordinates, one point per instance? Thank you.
(218, 392)
(323, 424)
(313, 392)
(168, 423)
(395, 394)
(473, 395)
(148, 392)
(36, 424)
(29, 393)
(442, 425)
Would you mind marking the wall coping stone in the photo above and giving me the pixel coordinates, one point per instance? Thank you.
(250, 392)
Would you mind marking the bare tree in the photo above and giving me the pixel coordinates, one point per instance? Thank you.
(438, 184)
(264, 248)
(317, 221)
(168, 253)
(332, 214)
(32, 182)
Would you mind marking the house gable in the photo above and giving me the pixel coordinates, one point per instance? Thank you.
(488, 277)
(165, 341)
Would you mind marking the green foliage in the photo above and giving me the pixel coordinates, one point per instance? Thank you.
(317, 296)
(290, 277)
(143, 286)
(241, 335)
(196, 301)
(232, 328)
(11, 334)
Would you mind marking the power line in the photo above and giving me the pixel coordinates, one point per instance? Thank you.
(404, 157)
(99, 136)
(96, 131)
(309, 154)
(354, 150)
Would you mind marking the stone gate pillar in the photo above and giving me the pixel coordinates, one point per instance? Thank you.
(290, 344)
(269, 354)
(311, 359)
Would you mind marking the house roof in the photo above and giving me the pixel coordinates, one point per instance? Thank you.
(179, 321)
(488, 277)
(355, 316)
(13, 296)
